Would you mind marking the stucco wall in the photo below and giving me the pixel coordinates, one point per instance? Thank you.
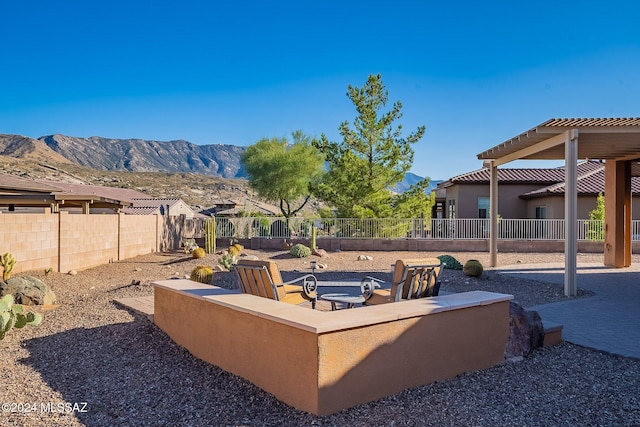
(323, 362)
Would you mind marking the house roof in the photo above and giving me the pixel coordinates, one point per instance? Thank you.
(34, 193)
(156, 203)
(519, 175)
(587, 184)
(249, 205)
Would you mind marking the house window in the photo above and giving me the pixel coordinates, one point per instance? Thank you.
(483, 207)
(452, 209)
(541, 212)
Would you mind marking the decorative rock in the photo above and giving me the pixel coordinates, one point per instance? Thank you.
(526, 332)
(252, 257)
(364, 258)
(28, 290)
(72, 272)
(320, 252)
(321, 266)
(137, 269)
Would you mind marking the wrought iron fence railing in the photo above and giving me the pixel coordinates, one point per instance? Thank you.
(417, 228)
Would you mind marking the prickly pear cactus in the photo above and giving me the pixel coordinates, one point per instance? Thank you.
(228, 260)
(15, 316)
(202, 274)
(450, 262)
(300, 251)
(198, 253)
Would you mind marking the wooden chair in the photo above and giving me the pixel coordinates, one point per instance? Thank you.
(262, 278)
(417, 278)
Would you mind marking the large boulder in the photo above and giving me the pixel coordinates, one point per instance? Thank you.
(526, 332)
(28, 290)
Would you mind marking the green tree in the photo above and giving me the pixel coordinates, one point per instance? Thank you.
(281, 172)
(595, 226)
(370, 160)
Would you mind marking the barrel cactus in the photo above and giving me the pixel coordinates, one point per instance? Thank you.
(450, 262)
(198, 253)
(236, 249)
(473, 268)
(300, 251)
(202, 274)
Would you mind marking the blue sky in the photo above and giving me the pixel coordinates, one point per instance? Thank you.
(474, 73)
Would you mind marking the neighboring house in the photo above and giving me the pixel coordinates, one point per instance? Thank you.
(23, 195)
(169, 207)
(234, 207)
(524, 193)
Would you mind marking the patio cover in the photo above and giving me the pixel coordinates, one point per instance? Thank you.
(615, 140)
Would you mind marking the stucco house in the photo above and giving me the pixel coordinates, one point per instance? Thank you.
(535, 193)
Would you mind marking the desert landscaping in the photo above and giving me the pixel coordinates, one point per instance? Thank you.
(93, 362)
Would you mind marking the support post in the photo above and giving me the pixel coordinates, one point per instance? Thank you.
(493, 215)
(571, 213)
(617, 213)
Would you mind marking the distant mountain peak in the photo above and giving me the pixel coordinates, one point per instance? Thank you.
(140, 155)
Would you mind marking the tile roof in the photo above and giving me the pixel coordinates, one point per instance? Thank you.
(587, 184)
(520, 175)
(153, 203)
(8, 181)
(132, 210)
(114, 193)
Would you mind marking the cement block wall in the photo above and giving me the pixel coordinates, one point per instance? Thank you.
(65, 241)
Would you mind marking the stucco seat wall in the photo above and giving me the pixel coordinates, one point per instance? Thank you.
(323, 362)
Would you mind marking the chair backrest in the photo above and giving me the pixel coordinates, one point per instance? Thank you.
(260, 278)
(416, 278)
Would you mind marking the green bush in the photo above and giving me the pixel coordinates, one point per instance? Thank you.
(450, 262)
(300, 251)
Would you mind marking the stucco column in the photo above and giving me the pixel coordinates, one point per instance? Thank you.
(571, 213)
(617, 213)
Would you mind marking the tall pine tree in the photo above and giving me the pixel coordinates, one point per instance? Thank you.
(371, 159)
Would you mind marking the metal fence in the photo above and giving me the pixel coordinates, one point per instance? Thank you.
(392, 228)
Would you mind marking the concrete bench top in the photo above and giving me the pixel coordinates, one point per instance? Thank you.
(328, 321)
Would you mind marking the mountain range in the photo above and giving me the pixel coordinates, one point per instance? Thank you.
(131, 162)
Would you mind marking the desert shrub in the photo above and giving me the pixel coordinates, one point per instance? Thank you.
(300, 251)
(450, 262)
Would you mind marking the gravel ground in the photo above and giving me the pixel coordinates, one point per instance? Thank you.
(93, 363)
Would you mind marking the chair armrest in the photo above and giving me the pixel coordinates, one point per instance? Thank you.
(368, 285)
(309, 285)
